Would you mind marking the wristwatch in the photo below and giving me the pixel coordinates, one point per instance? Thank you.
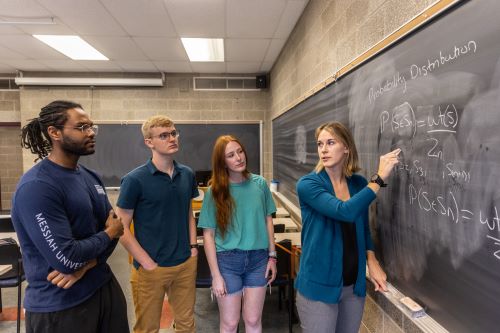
(273, 254)
(377, 180)
(193, 246)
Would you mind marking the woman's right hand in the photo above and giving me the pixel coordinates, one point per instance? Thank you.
(219, 286)
(387, 163)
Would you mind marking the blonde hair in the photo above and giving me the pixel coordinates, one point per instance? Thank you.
(155, 121)
(341, 133)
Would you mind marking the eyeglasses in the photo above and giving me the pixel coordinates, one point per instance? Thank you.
(166, 135)
(84, 128)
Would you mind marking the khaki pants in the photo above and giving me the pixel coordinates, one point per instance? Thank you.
(148, 291)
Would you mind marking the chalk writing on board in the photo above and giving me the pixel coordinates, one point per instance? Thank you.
(418, 70)
(403, 116)
(435, 95)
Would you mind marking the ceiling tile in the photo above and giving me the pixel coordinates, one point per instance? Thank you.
(162, 49)
(173, 66)
(9, 30)
(30, 47)
(198, 18)
(54, 29)
(208, 67)
(290, 17)
(87, 17)
(19, 9)
(101, 66)
(10, 54)
(63, 65)
(123, 48)
(246, 49)
(274, 49)
(141, 18)
(26, 65)
(254, 19)
(243, 67)
(6, 68)
(137, 66)
(266, 66)
(144, 35)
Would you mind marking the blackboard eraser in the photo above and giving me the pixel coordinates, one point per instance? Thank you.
(413, 307)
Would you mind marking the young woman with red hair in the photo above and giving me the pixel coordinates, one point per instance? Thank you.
(238, 236)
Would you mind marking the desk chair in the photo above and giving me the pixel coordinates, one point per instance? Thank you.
(284, 277)
(279, 228)
(10, 255)
(199, 231)
(203, 276)
(6, 225)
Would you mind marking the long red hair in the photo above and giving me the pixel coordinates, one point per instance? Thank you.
(219, 182)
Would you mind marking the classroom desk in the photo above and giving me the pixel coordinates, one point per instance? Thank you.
(290, 226)
(197, 202)
(6, 223)
(293, 236)
(282, 212)
(9, 235)
(5, 268)
(296, 244)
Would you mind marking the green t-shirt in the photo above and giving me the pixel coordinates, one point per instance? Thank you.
(247, 230)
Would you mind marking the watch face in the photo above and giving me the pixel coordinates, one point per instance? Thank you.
(374, 178)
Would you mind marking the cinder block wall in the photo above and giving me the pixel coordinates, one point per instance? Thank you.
(176, 99)
(329, 34)
(10, 145)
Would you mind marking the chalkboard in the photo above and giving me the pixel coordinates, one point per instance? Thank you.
(120, 148)
(435, 95)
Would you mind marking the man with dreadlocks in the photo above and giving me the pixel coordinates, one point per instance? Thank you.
(67, 229)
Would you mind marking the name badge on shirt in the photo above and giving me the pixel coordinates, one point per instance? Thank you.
(100, 190)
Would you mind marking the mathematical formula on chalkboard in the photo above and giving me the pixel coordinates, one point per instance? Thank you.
(435, 95)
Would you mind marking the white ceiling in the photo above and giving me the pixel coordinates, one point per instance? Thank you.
(144, 35)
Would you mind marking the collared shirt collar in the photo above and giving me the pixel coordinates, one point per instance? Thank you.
(152, 168)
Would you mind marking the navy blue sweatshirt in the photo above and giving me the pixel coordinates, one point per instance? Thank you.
(59, 215)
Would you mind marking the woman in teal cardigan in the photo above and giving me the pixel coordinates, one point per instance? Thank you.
(336, 241)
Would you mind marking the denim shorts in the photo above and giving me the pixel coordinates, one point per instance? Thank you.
(243, 269)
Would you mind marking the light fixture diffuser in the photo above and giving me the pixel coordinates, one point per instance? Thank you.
(204, 49)
(89, 81)
(72, 46)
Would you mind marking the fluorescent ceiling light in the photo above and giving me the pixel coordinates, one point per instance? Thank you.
(204, 49)
(27, 20)
(86, 81)
(72, 46)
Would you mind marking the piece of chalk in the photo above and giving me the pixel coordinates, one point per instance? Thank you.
(415, 309)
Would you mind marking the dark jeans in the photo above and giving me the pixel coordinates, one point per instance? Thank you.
(104, 312)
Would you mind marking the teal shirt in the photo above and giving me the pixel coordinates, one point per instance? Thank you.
(247, 230)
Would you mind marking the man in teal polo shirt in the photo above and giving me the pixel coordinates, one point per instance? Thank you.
(157, 197)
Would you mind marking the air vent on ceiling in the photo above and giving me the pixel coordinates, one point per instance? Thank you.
(248, 83)
(8, 83)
